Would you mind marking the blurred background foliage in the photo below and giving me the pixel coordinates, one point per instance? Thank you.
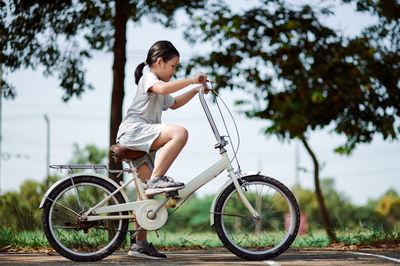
(301, 76)
(19, 209)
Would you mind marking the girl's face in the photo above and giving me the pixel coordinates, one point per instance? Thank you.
(165, 70)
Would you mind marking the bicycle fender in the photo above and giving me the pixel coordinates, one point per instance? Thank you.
(218, 194)
(214, 202)
(81, 174)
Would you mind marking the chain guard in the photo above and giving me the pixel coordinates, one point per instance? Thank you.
(151, 224)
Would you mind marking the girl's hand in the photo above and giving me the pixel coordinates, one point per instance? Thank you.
(199, 78)
(206, 91)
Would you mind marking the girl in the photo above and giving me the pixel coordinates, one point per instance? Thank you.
(142, 130)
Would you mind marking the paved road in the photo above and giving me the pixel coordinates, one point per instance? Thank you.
(222, 256)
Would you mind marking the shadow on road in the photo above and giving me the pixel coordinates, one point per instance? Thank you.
(222, 256)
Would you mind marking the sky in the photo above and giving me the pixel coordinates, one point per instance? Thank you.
(368, 173)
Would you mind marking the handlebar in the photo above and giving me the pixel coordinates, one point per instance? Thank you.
(205, 86)
(220, 142)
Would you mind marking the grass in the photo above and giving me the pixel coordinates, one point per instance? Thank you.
(23, 240)
(185, 240)
(205, 240)
(370, 236)
(312, 239)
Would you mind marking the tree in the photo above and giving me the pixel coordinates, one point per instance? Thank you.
(51, 34)
(304, 76)
(389, 207)
(19, 210)
(191, 216)
(90, 154)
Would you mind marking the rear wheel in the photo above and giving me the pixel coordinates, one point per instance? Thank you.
(77, 239)
(263, 238)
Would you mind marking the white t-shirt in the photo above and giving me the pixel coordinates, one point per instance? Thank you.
(142, 125)
(147, 105)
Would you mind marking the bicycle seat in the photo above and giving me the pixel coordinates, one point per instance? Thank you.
(120, 153)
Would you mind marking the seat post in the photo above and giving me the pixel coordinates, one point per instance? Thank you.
(132, 166)
(138, 183)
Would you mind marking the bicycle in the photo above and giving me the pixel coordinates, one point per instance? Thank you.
(86, 215)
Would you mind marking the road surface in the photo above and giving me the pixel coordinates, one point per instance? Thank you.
(222, 257)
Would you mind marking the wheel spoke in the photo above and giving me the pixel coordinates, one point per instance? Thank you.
(253, 238)
(74, 237)
(64, 227)
(79, 198)
(235, 215)
(65, 207)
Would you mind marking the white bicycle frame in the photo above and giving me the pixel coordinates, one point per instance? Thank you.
(197, 182)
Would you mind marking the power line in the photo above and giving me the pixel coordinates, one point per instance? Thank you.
(373, 172)
(58, 115)
(5, 156)
(360, 174)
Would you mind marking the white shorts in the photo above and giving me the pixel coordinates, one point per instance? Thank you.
(139, 136)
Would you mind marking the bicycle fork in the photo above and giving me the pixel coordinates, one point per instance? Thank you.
(241, 195)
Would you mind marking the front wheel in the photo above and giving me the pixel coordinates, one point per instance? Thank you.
(77, 239)
(252, 238)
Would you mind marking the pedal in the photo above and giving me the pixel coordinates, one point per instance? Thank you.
(173, 193)
(172, 202)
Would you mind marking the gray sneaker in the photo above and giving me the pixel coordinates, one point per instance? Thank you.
(142, 249)
(162, 184)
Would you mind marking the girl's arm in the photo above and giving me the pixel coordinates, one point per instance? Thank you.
(173, 86)
(184, 98)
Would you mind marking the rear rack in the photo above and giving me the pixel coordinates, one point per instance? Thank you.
(94, 167)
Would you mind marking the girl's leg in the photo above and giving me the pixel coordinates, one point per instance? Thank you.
(172, 139)
(144, 174)
(141, 248)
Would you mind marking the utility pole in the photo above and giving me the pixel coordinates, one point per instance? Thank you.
(296, 170)
(1, 136)
(46, 118)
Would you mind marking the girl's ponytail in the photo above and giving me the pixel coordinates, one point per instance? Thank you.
(164, 49)
(139, 72)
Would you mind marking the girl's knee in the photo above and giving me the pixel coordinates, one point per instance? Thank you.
(181, 134)
(184, 134)
(178, 133)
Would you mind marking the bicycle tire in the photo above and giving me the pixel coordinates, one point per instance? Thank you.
(61, 237)
(248, 237)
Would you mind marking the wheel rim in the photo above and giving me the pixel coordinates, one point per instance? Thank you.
(82, 238)
(253, 236)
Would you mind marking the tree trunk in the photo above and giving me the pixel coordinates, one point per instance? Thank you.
(318, 193)
(120, 21)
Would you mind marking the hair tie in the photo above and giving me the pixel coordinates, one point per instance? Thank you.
(145, 63)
